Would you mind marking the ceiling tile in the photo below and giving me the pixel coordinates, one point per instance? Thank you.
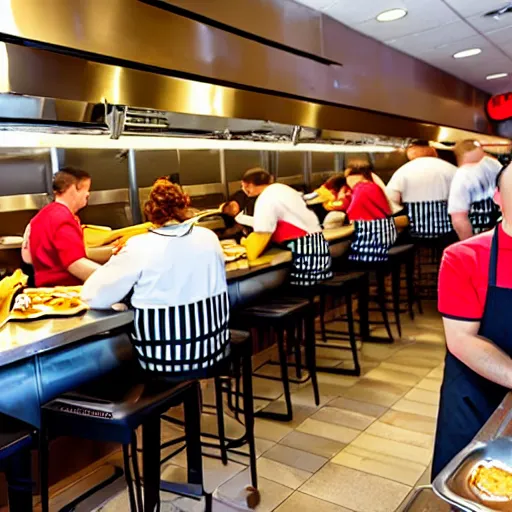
(487, 25)
(352, 12)
(318, 5)
(422, 15)
(500, 37)
(431, 39)
(468, 8)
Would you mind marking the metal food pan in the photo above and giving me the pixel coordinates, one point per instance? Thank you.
(453, 483)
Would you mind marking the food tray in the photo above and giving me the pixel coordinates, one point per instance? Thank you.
(453, 483)
(45, 311)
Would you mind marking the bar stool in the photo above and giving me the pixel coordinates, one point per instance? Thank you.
(343, 285)
(239, 364)
(277, 316)
(16, 440)
(112, 409)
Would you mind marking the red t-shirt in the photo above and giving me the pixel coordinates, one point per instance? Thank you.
(286, 231)
(464, 275)
(368, 202)
(56, 241)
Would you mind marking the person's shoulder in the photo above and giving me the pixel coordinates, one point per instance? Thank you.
(205, 234)
(471, 247)
(55, 213)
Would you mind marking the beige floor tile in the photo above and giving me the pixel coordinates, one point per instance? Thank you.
(387, 466)
(410, 421)
(376, 392)
(299, 502)
(330, 431)
(341, 417)
(312, 444)
(416, 408)
(272, 493)
(423, 396)
(361, 407)
(270, 430)
(425, 477)
(296, 458)
(401, 435)
(215, 473)
(300, 411)
(342, 381)
(282, 473)
(418, 371)
(437, 373)
(393, 448)
(394, 376)
(405, 360)
(305, 396)
(361, 492)
(429, 384)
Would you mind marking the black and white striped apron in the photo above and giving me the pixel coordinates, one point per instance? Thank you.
(311, 261)
(429, 219)
(372, 240)
(483, 215)
(185, 339)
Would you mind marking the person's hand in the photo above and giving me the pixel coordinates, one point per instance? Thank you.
(120, 306)
(118, 245)
(243, 241)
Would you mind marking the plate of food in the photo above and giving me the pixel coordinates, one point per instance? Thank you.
(232, 251)
(34, 303)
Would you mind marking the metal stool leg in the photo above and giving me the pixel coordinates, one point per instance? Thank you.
(136, 472)
(322, 317)
(151, 463)
(220, 421)
(352, 334)
(310, 343)
(395, 284)
(381, 295)
(249, 415)
(19, 481)
(128, 477)
(295, 341)
(43, 464)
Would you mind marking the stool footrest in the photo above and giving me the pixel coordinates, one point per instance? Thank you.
(194, 491)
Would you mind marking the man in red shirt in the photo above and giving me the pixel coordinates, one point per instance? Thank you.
(369, 202)
(475, 299)
(54, 242)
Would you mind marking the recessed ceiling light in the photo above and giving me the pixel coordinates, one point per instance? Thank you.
(467, 53)
(392, 15)
(496, 75)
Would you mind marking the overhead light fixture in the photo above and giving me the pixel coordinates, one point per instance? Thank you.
(392, 15)
(496, 76)
(467, 53)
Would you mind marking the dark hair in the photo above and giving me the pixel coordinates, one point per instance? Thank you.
(336, 183)
(360, 168)
(167, 201)
(68, 176)
(500, 174)
(257, 176)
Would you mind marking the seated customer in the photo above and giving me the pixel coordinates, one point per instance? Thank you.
(176, 272)
(237, 223)
(369, 202)
(282, 216)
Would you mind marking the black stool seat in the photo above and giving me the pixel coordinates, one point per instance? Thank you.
(340, 279)
(275, 308)
(111, 409)
(120, 405)
(15, 435)
(400, 250)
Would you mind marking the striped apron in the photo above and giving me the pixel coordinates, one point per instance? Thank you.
(186, 339)
(372, 240)
(429, 219)
(483, 215)
(311, 260)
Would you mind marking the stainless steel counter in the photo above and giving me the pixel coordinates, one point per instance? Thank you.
(21, 340)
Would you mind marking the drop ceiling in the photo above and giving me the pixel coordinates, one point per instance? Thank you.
(434, 30)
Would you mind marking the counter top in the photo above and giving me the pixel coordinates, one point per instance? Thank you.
(20, 340)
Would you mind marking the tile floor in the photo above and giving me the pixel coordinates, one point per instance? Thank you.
(363, 450)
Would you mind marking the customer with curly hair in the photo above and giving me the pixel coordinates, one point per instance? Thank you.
(176, 272)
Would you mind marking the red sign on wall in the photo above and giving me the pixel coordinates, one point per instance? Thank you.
(499, 108)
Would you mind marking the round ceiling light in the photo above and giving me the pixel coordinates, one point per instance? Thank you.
(496, 76)
(467, 53)
(392, 15)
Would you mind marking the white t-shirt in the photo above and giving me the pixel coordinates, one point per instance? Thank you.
(423, 179)
(279, 202)
(163, 270)
(472, 183)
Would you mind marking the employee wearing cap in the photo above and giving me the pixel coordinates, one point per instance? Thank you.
(470, 203)
(475, 299)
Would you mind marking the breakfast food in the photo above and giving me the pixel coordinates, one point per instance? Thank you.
(9, 286)
(39, 301)
(492, 481)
